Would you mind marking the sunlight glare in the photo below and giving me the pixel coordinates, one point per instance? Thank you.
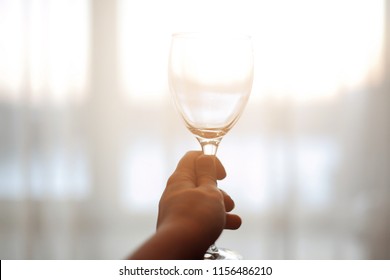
(303, 49)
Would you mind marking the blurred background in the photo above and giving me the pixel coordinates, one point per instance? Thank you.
(89, 135)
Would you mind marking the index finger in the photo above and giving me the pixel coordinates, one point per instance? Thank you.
(185, 173)
(206, 171)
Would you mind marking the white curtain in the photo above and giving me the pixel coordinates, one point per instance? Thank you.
(88, 134)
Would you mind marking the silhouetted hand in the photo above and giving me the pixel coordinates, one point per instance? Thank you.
(192, 211)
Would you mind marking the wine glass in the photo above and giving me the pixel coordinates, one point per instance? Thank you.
(210, 78)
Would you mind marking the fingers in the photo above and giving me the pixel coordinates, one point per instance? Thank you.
(232, 221)
(221, 173)
(198, 170)
(187, 162)
(228, 201)
(185, 174)
(206, 171)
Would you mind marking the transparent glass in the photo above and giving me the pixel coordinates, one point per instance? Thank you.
(210, 78)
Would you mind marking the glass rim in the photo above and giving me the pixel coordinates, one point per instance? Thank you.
(213, 34)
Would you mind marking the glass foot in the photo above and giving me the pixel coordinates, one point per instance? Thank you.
(215, 253)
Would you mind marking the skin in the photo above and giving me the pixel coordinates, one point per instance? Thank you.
(193, 212)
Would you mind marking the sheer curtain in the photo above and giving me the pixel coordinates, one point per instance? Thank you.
(88, 134)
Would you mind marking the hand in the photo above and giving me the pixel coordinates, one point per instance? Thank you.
(192, 199)
(192, 211)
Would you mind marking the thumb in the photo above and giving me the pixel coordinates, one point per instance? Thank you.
(206, 172)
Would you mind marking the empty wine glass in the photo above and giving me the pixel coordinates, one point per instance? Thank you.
(210, 77)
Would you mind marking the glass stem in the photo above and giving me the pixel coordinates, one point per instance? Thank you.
(209, 146)
(209, 149)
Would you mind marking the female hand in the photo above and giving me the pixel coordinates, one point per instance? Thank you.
(192, 199)
(192, 211)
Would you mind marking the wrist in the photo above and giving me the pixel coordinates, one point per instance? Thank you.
(188, 240)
